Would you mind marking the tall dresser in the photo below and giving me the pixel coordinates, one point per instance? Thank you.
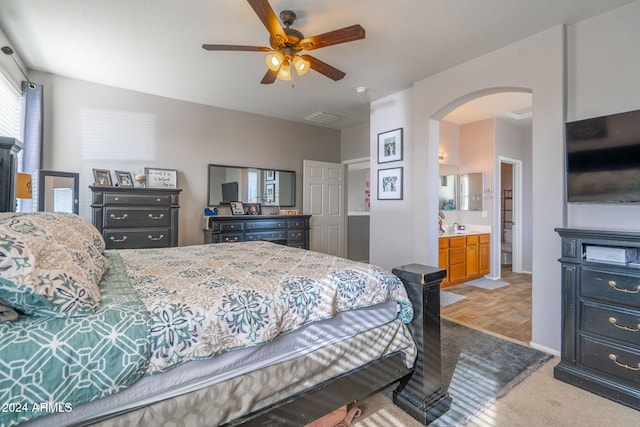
(131, 218)
(9, 149)
(600, 350)
(290, 230)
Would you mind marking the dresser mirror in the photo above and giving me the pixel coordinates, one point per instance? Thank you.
(471, 191)
(269, 187)
(58, 191)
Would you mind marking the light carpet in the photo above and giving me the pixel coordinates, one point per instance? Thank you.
(487, 284)
(448, 298)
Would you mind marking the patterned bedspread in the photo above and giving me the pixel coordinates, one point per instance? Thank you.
(207, 299)
(54, 364)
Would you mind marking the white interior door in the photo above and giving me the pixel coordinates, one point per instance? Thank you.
(324, 198)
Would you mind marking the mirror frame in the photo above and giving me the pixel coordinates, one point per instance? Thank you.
(43, 174)
(478, 196)
(293, 182)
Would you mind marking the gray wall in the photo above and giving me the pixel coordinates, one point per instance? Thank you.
(95, 126)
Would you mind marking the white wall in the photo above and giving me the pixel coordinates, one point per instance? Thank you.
(604, 78)
(407, 232)
(95, 126)
(391, 233)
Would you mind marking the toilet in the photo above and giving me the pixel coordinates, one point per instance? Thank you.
(506, 251)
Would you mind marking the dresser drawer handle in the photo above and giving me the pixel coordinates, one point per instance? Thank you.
(158, 200)
(232, 227)
(614, 358)
(231, 239)
(613, 284)
(113, 239)
(614, 322)
(279, 225)
(156, 217)
(119, 218)
(150, 237)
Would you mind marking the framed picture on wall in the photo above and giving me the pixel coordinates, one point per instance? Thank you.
(390, 146)
(390, 184)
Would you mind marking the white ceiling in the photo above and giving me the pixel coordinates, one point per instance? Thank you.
(154, 46)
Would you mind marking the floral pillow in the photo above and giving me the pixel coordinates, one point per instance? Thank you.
(50, 264)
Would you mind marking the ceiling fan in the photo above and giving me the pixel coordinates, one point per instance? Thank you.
(287, 42)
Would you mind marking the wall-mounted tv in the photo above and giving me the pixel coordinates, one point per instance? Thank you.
(603, 159)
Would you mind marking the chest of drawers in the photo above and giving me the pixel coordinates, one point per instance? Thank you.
(131, 218)
(291, 230)
(600, 317)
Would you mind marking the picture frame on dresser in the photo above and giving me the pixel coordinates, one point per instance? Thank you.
(102, 177)
(161, 178)
(254, 209)
(124, 178)
(237, 208)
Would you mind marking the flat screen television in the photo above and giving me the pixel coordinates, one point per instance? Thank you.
(603, 159)
(229, 192)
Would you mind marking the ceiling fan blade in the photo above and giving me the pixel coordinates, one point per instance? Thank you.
(263, 9)
(343, 35)
(324, 68)
(236, 48)
(269, 77)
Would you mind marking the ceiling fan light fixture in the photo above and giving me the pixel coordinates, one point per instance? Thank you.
(274, 60)
(301, 65)
(285, 71)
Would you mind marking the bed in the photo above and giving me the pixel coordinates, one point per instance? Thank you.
(251, 333)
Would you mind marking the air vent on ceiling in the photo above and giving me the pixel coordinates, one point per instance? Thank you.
(323, 117)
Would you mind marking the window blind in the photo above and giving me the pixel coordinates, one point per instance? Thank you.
(10, 108)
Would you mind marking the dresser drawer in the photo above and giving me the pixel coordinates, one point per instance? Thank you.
(296, 224)
(623, 363)
(137, 199)
(264, 225)
(266, 235)
(443, 243)
(140, 238)
(227, 238)
(136, 217)
(295, 235)
(610, 322)
(608, 286)
(472, 240)
(224, 227)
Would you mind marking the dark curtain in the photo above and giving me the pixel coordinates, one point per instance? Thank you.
(32, 134)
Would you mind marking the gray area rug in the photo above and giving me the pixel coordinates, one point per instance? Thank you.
(487, 284)
(448, 298)
(478, 369)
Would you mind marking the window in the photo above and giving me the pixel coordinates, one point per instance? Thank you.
(10, 108)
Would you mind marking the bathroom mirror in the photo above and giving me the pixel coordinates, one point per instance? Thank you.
(269, 187)
(448, 193)
(58, 191)
(471, 187)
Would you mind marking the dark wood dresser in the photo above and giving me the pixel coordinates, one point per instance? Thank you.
(9, 149)
(290, 230)
(600, 315)
(131, 218)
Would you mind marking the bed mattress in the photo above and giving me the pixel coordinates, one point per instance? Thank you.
(289, 364)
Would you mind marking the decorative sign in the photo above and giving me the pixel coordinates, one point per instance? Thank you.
(161, 178)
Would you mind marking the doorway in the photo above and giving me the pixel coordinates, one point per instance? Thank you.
(510, 214)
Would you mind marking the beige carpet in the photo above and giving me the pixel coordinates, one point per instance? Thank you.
(540, 400)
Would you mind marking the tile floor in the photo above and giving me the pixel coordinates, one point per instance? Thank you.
(504, 311)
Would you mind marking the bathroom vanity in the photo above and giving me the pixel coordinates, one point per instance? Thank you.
(465, 255)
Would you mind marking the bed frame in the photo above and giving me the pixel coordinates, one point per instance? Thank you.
(419, 391)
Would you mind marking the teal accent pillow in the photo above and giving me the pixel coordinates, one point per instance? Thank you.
(51, 264)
